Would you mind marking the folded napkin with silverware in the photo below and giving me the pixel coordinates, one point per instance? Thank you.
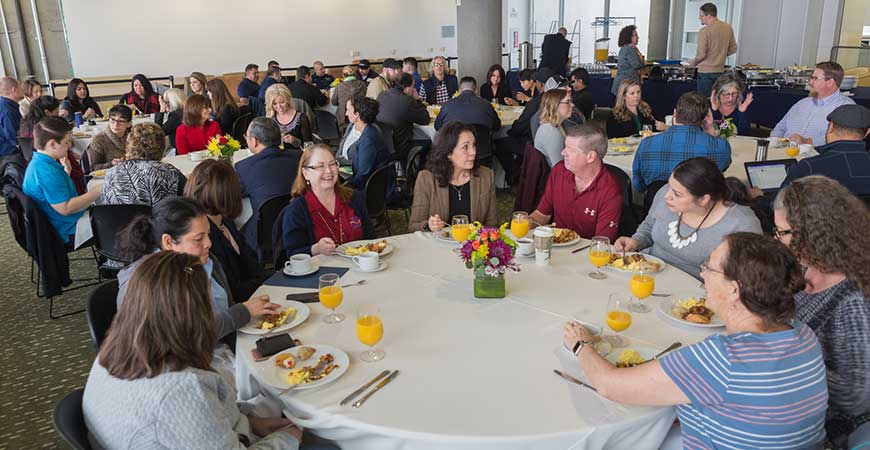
(305, 282)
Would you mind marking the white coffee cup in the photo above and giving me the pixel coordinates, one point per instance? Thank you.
(367, 261)
(543, 245)
(806, 149)
(525, 247)
(299, 263)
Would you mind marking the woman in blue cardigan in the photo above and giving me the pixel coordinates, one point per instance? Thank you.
(323, 213)
(362, 144)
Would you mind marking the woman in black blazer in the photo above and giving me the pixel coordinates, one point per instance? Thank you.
(169, 116)
(496, 86)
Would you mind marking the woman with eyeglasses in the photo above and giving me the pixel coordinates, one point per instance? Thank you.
(630, 112)
(556, 107)
(761, 384)
(108, 148)
(691, 214)
(727, 102)
(323, 213)
(825, 227)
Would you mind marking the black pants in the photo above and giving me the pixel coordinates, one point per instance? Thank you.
(509, 151)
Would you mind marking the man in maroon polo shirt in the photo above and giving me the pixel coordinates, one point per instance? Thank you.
(581, 194)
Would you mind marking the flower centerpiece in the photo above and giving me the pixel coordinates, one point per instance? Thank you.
(223, 147)
(489, 252)
(726, 128)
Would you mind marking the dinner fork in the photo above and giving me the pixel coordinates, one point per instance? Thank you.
(358, 283)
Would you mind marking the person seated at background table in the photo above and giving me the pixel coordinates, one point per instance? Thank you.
(581, 193)
(197, 127)
(580, 93)
(690, 215)
(441, 85)
(364, 71)
(522, 127)
(215, 186)
(823, 224)
(320, 78)
(496, 87)
(47, 182)
(304, 88)
(171, 113)
(107, 148)
(224, 106)
(141, 178)
(759, 382)
(468, 108)
(409, 66)
(453, 183)
(556, 82)
(196, 84)
(657, 156)
(294, 125)
(362, 145)
(31, 90)
(805, 122)
(529, 87)
(78, 99)
(556, 107)
(10, 121)
(401, 109)
(249, 87)
(629, 61)
(168, 394)
(727, 102)
(141, 96)
(273, 76)
(391, 71)
(323, 213)
(344, 91)
(48, 106)
(630, 113)
(844, 158)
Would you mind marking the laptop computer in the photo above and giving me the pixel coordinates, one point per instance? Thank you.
(768, 175)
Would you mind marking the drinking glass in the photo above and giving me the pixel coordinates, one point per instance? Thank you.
(370, 330)
(646, 131)
(642, 285)
(460, 228)
(792, 149)
(330, 294)
(520, 224)
(618, 318)
(599, 255)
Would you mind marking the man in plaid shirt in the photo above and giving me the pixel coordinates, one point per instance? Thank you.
(657, 156)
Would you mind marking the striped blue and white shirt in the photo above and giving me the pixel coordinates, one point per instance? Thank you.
(751, 391)
(809, 117)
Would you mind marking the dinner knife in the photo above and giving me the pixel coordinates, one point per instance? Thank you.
(573, 380)
(581, 248)
(365, 386)
(383, 383)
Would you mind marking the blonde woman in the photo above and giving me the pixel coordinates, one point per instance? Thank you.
(294, 125)
(556, 106)
(171, 109)
(631, 113)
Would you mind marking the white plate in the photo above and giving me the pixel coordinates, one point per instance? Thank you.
(645, 353)
(289, 272)
(381, 266)
(662, 264)
(276, 376)
(667, 304)
(569, 243)
(339, 251)
(444, 236)
(302, 312)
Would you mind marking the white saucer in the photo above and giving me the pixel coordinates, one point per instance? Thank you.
(289, 272)
(381, 266)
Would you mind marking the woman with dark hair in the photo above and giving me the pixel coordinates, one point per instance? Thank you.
(108, 147)
(496, 86)
(527, 83)
(31, 90)
(825, 227)
(215, 185)
(759, 385)
(323, 213)
(141, 96)
(196, 127)
(727, 102)
(154, 385)
(47, 106)
(453, 183)
(226, 111)
(196, 84)
(630, 113)
(690, 216)
(78, 99)
(630, 61)
(362, 144)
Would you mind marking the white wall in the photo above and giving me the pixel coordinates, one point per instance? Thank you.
(161, 37)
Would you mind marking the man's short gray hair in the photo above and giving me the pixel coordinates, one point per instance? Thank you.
(7, 84)
(593, 137)
(266, 131)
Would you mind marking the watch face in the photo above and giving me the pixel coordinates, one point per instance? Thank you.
(577, 347)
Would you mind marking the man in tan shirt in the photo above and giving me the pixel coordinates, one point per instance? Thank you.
(715, 43)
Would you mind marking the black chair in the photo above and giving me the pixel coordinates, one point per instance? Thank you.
(240, 127)
(86, 163)
(327, 126)
(416, 162)
(376, 198)
(866, 200)
(100, 311)
(266, 217)
(628, 219)
(106, 222)
(387, 135)
(483, 137)
(69, 421)
(650, 194)
(26, 146)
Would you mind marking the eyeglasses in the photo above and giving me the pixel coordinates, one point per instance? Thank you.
(729, 94)
(117, 120)
(777, 233)
(565, 102)
(705, 267)
(323, 166)
(438, 64)
(815, 78)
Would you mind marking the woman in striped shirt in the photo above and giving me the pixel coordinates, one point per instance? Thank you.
(761, 385)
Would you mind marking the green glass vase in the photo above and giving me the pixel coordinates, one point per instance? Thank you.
(486, 286)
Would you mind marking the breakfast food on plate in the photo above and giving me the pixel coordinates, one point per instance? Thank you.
(99, 173)
(693, 309)
(629, 358)
(563, 235)
(377, 247)
(276, 320)
(620, 148)
(632, 262)
(619, 140)
(307, 374)
(81, 134)
(285, 360)
(303, 353)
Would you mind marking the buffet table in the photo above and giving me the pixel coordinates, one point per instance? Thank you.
(474, 374)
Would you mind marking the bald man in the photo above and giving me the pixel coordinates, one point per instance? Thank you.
(10, 119)
(554, 52)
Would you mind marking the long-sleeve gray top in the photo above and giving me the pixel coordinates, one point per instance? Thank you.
(550, 140)
(627, 66)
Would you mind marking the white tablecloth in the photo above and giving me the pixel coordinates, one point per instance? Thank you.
(81, 142)
(474, 374)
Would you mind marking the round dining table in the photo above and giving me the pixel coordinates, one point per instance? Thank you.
(82, 136)
(473, 373)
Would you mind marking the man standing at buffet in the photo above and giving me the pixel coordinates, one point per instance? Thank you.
(715, 43)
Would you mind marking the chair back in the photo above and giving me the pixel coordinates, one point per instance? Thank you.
(240, 127)
(533, 179)
(26, 146)
(69, 420)
(866, 199)
(416, 162)
(108, 220)
(100, 310)
(376, 190)
(86, 162)
(483, 137)
(627, 218)
(303, 107)
(387, 132)
(650, 194)
(327, 125)
(266, 217)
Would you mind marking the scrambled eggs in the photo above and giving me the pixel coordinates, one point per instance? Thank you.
(278, 319)
(299, 376)
(691, 301)
(629, 358)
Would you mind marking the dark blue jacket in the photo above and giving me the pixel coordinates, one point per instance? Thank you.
(10, 121)
(368, 153)
(430, 83)
(247, 88)
(264, 175)
(739, 119)
(265, 85)
(847, 162)
(469, 109)
(322, 82)
(296, 233)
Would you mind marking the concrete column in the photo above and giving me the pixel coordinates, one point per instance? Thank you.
(478, 37)
(657, 39)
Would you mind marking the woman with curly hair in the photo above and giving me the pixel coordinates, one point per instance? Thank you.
(728, 102)
(362, 146)
(453, 183)
(630, 113)
(825, 226)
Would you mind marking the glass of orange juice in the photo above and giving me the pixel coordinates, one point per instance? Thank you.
(792, 149)
(599, 256)
(330, 294)
(460, 228)
(642, 285)
(370, 330)
(618, 318)
(520, 224)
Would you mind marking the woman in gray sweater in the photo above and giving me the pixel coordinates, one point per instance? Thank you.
(690, 216)
(556, 107)
(630, 61)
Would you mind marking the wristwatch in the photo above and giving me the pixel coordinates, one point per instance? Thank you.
(578, 347)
